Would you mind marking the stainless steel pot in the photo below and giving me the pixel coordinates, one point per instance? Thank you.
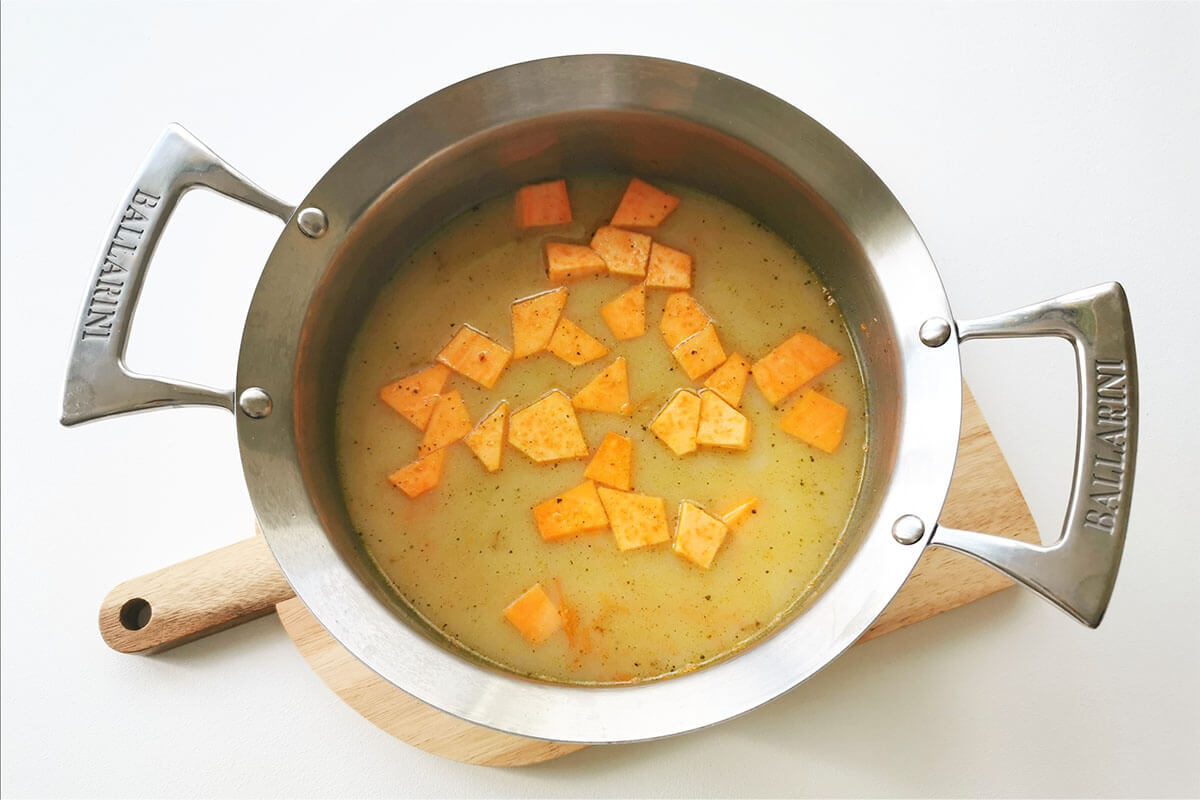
(516, 125)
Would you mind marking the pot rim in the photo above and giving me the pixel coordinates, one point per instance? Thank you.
(927, 438)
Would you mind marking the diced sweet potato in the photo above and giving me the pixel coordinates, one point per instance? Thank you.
(721, 425)
(698, 534)
(682, 317)
(626, 314)
(575, 511)
(487, 440)
(668, 268)
(474, 355)
(637, 520)
(420, 476)
(613, 463)
(569, 262)
(791, 365)
(644, 206)
(450, 422)
(678, 422)
(414, 397)
(543, 204)
(625, 252)
(534, 615)
(729, 379)
(574, 345)
(607, 392)
(743, 511)
(817, 420)
(534, 320)
(547, 430)
(700, 353)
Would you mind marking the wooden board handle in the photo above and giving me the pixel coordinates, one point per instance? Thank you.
(194, 598)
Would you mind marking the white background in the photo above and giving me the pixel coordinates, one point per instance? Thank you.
(1039, 148)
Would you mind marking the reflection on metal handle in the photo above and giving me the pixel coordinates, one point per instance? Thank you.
(98, 382)
(1077, 572)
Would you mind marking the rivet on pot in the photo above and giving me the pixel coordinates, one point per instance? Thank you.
(312, 222)
(255, 403)
(908, 529)
(935, 331)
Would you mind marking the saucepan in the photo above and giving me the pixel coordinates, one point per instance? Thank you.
(658, 119)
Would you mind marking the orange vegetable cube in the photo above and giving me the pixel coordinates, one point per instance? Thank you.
(534, 615)
(575, 511)
(420, 476)
(644, 206)
(487, 440)
(534, 320)
(682, 317)
(817, 420)
(449, 423)
(791, 365)
(698, 534)
(608, 391)
(574, 345)
(569, 262)
(547, 430)
(700, 353)
(474, 355)
(543, 204)
(613, 463)
(625, 252)
(721, 425)
(637, 520)
(729, 379)
(626, 314)
(678, 422)
(740, 513)
(668, 268)
(415, 396)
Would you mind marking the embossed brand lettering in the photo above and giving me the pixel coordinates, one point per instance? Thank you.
(1100, 521)
(1106, 499)
(110, 283)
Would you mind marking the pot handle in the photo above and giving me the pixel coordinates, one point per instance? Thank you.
(1077, 572)
(98, 382)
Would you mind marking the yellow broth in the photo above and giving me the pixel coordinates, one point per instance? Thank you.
(461, 553)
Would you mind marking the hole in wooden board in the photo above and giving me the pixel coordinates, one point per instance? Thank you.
(135, 614)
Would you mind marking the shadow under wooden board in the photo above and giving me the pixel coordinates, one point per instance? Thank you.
(240, 582)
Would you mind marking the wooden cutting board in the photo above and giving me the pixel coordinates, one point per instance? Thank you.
(240, 582)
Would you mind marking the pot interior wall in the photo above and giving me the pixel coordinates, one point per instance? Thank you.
(631, 142)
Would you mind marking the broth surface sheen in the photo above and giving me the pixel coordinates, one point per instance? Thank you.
(461, 553)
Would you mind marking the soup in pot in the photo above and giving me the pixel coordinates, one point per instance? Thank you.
(602, 431)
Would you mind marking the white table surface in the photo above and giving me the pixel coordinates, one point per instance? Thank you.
(1039, 149)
